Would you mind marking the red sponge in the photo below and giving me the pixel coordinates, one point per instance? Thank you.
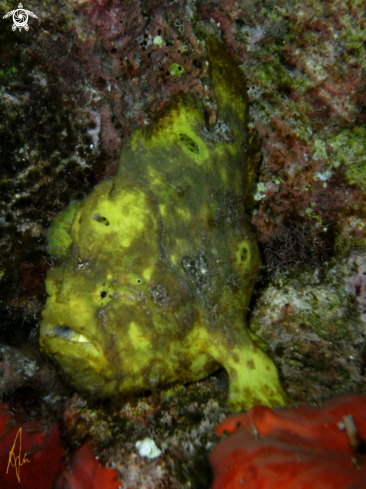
(86, 473)
(321, 448)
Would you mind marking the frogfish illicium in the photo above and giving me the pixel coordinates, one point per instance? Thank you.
(156, 267)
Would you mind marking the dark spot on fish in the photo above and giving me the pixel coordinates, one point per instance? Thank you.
(189, 143)
(244, 254)
(250, 365)
(103, 220)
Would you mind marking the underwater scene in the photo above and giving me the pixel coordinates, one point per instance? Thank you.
(183, 244)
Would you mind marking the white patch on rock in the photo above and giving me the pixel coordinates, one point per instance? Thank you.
(147, 448)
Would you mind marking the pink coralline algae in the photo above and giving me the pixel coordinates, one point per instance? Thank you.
(322, 448)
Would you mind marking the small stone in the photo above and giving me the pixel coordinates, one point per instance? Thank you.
(147, 448)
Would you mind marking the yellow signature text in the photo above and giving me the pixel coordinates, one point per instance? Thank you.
(16, 461)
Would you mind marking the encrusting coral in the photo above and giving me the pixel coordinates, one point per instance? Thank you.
(158, 264)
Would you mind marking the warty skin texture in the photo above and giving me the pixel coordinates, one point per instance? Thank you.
(159, 262)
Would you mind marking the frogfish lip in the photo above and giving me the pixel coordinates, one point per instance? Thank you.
(60, 339)
(65, 332)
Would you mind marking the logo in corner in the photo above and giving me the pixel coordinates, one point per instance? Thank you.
(20, 18)
(16, 461)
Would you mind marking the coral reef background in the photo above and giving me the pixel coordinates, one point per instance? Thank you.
(75, 86)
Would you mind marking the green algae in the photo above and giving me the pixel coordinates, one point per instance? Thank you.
(349, 147)
(176, 70)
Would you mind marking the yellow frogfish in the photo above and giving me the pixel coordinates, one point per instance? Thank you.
(156, 267)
